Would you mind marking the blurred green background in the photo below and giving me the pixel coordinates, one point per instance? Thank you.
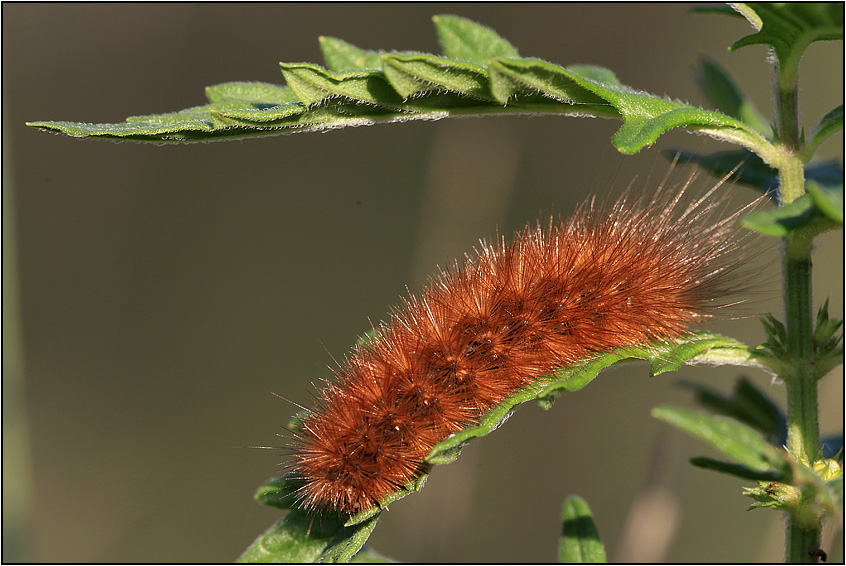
(155, 297)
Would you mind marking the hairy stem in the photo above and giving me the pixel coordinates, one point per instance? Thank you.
(801, 379)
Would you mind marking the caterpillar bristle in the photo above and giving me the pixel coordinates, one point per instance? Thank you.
(641, 269)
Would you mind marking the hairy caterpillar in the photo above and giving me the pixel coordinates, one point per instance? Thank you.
(640, 270)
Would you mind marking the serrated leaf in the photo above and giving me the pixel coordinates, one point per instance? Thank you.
(515, 78)
(579, 541)
(303, 538)
(342, 56)
(789, 28)
(479, 75)
(413, 74)
(735, 470)
(645, 116)
(466, 40)
(313, 84)
(716, 83)
(738, 441)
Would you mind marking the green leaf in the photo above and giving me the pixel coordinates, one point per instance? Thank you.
(413, 74)
(342, 56)
(261, 95)
(828, 125)
(299, 537)
(579, 542)
(789, 28)
(735, 470)
(826, 338)
(693, 348)
(595, 91)
(480, 74)
(313, 84)
(369, 556)
(827, 199)
(466, 40)
(748, 405)
(702, 347)
(781, 221)
(726, 97)
(278, 492)
(738, 441)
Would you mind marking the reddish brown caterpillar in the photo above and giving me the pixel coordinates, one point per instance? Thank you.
(601, 280)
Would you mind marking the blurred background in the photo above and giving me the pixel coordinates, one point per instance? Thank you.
(155, 298)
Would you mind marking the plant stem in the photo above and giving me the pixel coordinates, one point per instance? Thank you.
(803, 441)
(803, 428)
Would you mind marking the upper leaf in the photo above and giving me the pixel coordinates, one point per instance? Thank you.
(789, 28)
(480, 73)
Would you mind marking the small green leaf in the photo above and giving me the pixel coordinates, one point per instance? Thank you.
(726, 97)
(735, 470)
(299, 537)
(466, 40)
(782, 221)
(826, 339)
(278, 492)
(579, 542)
(748, 405)
(789, 28)
(827, 126)
(740, 442)
(342, 56)
(827, 199)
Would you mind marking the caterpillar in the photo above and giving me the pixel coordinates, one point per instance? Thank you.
(640, 270)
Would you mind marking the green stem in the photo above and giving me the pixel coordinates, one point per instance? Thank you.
(803, 428)
(788, 118)
(803, 440)
(801, 380)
